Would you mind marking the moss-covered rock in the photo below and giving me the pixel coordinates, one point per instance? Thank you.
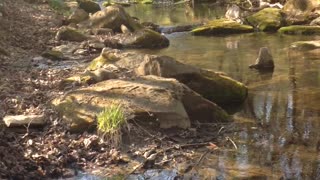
(171, 103)
(306, 45)
(89, 6)
(300, 30)
(268, 19)
(70, 34)
(146, 1)
(222, 27)
(53, 55)
(77, 16)
(145, 38)
(105, 57)
(113, 17)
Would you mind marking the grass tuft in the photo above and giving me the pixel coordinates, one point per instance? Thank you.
(110, 120)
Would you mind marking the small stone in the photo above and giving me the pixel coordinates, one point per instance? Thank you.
(24, 120)
(264, 60)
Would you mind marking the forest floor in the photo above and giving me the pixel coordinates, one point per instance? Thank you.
(26, 30)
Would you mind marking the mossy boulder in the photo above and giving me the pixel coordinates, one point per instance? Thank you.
(105, 57)
(268, 19)
(145, 38)
(70, 34)
(163, 102)
(300, 30)
(78, 16)
(113, 17)
(222, 27)
(53, 55)
(89, 6)
(306, 45)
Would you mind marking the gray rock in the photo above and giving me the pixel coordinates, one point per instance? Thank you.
(24, 120)
(264, 60)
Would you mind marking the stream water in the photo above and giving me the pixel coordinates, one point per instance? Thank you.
(276, 131)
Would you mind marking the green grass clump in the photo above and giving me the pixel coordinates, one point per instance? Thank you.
(110, 120)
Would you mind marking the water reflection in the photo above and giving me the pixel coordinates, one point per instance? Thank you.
(277, 129)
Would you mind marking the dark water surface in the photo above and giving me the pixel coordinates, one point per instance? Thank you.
(277, 130)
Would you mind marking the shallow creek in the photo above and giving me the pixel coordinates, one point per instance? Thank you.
(276, 130)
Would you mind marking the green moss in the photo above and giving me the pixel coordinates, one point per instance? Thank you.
(104, 58)
(226, 89)
(221, 27)
(300, 30)
(268, 19)
(146, 1)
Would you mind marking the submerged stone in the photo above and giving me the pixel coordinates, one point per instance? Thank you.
(300, 30)
(222, 27)
(268, 19)
(146, 98)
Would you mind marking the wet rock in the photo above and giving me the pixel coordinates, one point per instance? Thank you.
(306, 45)
(264, 60)
(89, 6)
(146, 98)
(268, 19)
(24, 120)
(299, 11)
(300, 30)
(222, 27)
(213, 86)
(113, 17)
(144, 38)
(53, 55)
(78, 16)
(69, 34)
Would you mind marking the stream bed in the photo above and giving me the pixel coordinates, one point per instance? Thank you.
(276, 131)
